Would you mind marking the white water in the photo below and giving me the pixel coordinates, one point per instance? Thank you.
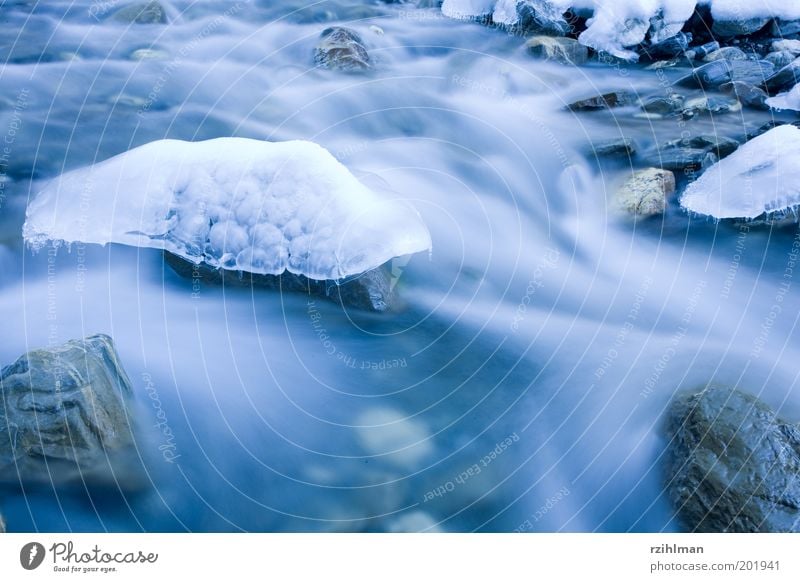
(540, 316)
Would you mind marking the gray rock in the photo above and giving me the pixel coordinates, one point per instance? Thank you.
(712, 75)
(732, 465)
(785, 28)
(747, 94)
(710, 105)
(342, 49)
(150, 12)
(718, 145)
(539, 17)
(780, 59)
(727, 53)
(791, 46)
(604, 101)
(784, 79)
(678, 159)
(567, 51)
(667, 105)
(744, 27)
(669, 48)
(370, 291)
(64, 416)
(645, 192)
(622, 147)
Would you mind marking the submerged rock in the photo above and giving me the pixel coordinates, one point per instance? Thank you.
(567, 51)
(342, 49)
(150, 12)
(65, 414)
(733, 466)
(645, 192)
(370, 291)
(604, 101)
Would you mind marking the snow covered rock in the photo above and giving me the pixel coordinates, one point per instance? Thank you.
(788, 100)
(762, 177)
(341, 48)
(517, 16)
(150, 12)
(231, 203)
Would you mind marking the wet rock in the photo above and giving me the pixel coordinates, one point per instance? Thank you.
(645, 192)
(604, 101)
(718, 145)
(713, 74)
(623, 147)
(567, 51)
(727, 53)
(785, 28)
(747, 94)
(784, 79)
(780, 59)
(670, 104)
(710, 105)
(702, 51)
(65, 414)
(791, 46)
(669, 48)
(679, 159)
(743, 27)
(142, 13)
(370, 291)
(342, 49)
(733, 466)
(539, 17)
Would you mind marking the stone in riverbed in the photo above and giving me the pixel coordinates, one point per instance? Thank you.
(533, 17)
(747, 94)
(780, 59)
(702, 51)
(727, 53)
(669, 48)
(739, 27)
(710, 105)
(342, 49)
(142, 13)
(785, 28)
(604, 101)
(791, 46)
(718, 145)
(567, 51)
(65, 416)
(664, 105)
(645, 192)
(370, 291)
(623, 147)
(712, 75)
(784, 79)
(733, 466)
(678, 159)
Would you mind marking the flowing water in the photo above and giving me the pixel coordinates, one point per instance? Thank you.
(521, 386)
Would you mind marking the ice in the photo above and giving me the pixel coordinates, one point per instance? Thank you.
(617, 26)
(762, 176)
(233, 203)
(788, 100)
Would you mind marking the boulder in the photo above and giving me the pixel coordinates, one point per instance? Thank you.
(732, 464)
(604, 101)
(645, 192)
(369, 291)
(65, 414)
(151, 12)
(567, 51)
(739, 27)
(342, 49)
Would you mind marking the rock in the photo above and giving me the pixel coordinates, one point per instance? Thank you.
(710, 104)
(613, 148)
(370, 291)
(150, 12)
(2, 524)
(536, 17)
(718, 145)
(414, 522)
(702, 51)
(732, 465)
(780, 59)
(664, 105)
(785, 28)
(747, 94)
(645, 192)
(567, 51)
(784, 79)
(669, 48)
(727, 53)
(64, 416)
(742, 27)
(787, 45)
(604, 101)
(342, 49)
(713, 74)
(678, 159)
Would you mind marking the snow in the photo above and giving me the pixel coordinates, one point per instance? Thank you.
(616, 26)
(233, 203)
(789, 100)
(761, 176)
